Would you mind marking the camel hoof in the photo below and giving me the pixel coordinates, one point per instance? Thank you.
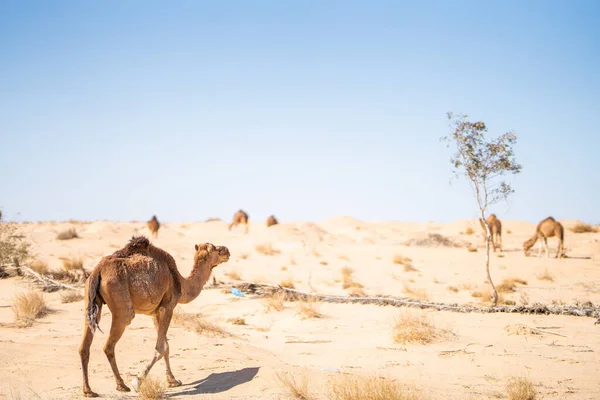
(174, 383)
(90, 394)
(123, 388)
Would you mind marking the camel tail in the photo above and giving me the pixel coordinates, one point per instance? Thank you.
(92, 309)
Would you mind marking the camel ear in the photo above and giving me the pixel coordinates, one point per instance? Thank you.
(196, 246)
(209, 248)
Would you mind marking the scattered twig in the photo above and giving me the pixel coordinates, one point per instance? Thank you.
(47, 284)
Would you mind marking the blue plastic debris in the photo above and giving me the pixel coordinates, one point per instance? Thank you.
(236, 292)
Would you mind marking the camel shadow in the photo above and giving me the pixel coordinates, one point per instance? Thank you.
(219, 382)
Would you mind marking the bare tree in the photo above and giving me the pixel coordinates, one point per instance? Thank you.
(484, 162)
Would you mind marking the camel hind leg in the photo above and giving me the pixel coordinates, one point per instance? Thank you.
(84, 353)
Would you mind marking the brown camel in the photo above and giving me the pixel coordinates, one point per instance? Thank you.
(272, 221)
(141, 279)
(495, 230)
(547, 228)
(239, 217)
(154, 226)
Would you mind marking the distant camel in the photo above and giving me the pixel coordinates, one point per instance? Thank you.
(154, 226)
(239, 217)
(495, 229)
(272, 221)
(547, 228)
(141, 279)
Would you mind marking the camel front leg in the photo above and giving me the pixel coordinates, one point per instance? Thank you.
(539, 248)
(162, 321)
(84, 354)
(500, 241)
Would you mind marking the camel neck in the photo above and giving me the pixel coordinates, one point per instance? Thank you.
(193, 284)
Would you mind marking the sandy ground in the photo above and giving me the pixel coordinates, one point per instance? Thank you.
(473, 360)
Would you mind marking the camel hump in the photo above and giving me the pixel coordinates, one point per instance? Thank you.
(137, 245)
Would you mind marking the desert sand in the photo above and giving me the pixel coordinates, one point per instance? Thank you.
(473, 358)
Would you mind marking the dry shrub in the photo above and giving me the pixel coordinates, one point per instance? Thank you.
(508, 285)
(486, 296)
(12, 244)
(453, 289)
(197, 323)
(39, 266)
(469, 231)
(233, 275)
(243, 256)
(500, 255)
(70, 296)
(295, 386)
(70, 233)
(237, 321)
(545, 276)
(472, 249)
(343, 257)
(284, 268)
(466, 286)
(401, 260)
(519, 329)
(288, 283)
(309, 309)
(275, 302)
(508, 231)
(580, 227)
(70, 264)
(28, 307)
(519, 388)
(524, 299)
(414, 326)
(212, 219)
(152, 389)
(323, 263)
(356, 292)
(266, 249)
(415, 293)
(348, 387)
(348, 280)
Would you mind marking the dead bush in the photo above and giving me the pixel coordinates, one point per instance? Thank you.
(296, 386)
(453, 289)
(233, 275)
(237, 321)
(469, 231)
(414, 326)
(580, 227)
(416, 293)
(152, 389)
(519, 388)
(508, 285)
(349, 387)
(356, 292)
(288, 283)
(28, 307)
(266, 249)
(68, 234)
(70, 296)
(309, 309)
(348, 280)
(197, 323)
(275, 302)
(70, 264)
(39, 266)
(12, 245)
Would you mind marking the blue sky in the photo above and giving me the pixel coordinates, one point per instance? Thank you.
(305, 109)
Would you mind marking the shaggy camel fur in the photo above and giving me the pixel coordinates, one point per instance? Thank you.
(272, 221)
(153, 226)
(239, 217)
(495, 229)
(547, 228)
(141, 279)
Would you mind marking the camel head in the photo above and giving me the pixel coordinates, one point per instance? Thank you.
(528, 244)
(211, 254)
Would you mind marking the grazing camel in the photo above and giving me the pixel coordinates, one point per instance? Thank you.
(547, 228)
(141, 279)
(271, 221)
(239, 217)
(495, 229)
(154, 226)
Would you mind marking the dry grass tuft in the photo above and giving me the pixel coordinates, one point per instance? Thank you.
(545, 276)
(243, 256)
(323, 263)
(508, 285)
(508, 231)
(275, 302)
(472, 249)
(519, 329)
(356, 292)
(343, 257)
(197, 323)
(70, 233)
(233, 275)
(266, 249)
(296, 386)
(580, 227)
(309, 309)
(288, 283)
(70, 264)
(28, 307)
(284, 268)
(453, 289)
(348, 280)
(348, 387)
(406, 262)
(414, 326)
(415, 293)
(237, 321)
(519, 388)
(486, 296)
(70, 296)
(39, 266)
(469, 231)
(152, 389)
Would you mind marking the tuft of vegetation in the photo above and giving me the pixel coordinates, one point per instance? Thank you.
(71, 264)
(348, 279)
(233, 275)
(197, 323)
(519, 388)
(70, 296)
(486, 297)
(545, 276)
(414, 326)
(469, 231)
(39, 266)
(266, 249)
(415, 293)
(295, 386)
(243, 256)
(356, 292)
(580, 227)
(152, 389)
(68, 234)
(508, 285)
(453, 289)
(13, 247)
(28, 307)
(237, 321)
(288, 283)
(472, 249)
(309, 309)
(275, 302)
(348, 387)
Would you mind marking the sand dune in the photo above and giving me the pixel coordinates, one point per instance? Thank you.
(472, 359)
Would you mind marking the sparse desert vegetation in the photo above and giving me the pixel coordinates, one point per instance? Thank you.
(353, 387)
(197, 323)
(508, 285)
(233, 275)
(416, 293)
(520, 388)
(295, 386)
(70, 296)
(581, 227)
(67, 234)
(70, 264)
(41, 267)
(406, 262)
(237, 321)
(152, 389)
(469, 231)
(545, 276)
(287, 283)
(309, 309)
(29, 306)
(266, 249)
(414, 326)
(348, 279)
(275, 302)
